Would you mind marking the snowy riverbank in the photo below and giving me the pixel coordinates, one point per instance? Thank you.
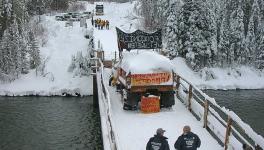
(219, 78)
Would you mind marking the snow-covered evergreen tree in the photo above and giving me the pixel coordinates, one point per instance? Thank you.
(162, 13)
(211, 12)
(7, 8)
(250, 42)
(80, 65)
(224, 54)
(15, 48)
(6, 55)
(253, 33)
(6, 15)
(171, 31)
(149, 12)
(260, 48)
(237, 38)
(24, 51)
(34, 53)
(195, 33)
(11, 56)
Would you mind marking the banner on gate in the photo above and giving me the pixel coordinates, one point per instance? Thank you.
(139, 40)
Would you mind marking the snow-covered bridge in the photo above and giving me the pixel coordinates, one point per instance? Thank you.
(128, 130)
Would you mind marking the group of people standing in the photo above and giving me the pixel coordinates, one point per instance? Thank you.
(100, 24)
(187, 141)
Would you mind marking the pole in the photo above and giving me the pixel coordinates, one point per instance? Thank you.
(177, 85)
(228, 132)
(189, 98)
(95, 90)
(206, 107)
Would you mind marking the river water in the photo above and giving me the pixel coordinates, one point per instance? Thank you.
(71, 123)
(247, 104)
(49, 123)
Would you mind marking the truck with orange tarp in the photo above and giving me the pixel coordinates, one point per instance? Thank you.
(143, 75)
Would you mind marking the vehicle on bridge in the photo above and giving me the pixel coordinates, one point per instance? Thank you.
(99, 9)
(145, 74)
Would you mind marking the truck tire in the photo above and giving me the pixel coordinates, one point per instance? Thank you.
(118, 87)
(167, 99)
(131, 101)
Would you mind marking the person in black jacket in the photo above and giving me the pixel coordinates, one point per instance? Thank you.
(110, 80)
(188, 140)
(158, 142)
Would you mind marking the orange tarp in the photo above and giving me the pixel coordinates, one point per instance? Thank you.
(150, 104)
(149, 79)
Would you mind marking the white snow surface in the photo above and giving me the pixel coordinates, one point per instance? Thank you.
(133, 128)
(149, 62)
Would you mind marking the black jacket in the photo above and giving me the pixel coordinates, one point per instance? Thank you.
(189, 141)
(158, 143)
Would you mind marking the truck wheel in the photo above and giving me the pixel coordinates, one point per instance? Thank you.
(129, 107)
(167, 99)
(118, 87)
(131, 100)
(124, 100)
(126, 106)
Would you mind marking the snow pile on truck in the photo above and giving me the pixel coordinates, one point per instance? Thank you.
(142, 74)
(145, 62)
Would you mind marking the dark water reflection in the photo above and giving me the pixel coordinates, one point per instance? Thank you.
(49, 123)
(247, 104)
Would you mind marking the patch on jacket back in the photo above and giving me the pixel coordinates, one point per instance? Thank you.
(189, 142)
(155, 145)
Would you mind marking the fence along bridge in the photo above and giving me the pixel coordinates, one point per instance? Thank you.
(215, 122)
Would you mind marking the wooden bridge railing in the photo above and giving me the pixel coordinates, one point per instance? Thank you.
(223, 124)
(105, 108)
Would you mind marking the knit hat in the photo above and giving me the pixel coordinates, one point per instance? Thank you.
(160, 131)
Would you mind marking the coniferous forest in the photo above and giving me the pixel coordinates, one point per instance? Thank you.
(209, 33)
(21, 35)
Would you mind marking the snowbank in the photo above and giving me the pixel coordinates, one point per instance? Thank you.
(217, 78)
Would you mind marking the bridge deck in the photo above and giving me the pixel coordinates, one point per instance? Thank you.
(133, 128)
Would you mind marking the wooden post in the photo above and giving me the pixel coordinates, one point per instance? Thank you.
(95, 90)
(206, 107)
(190, 97)
(115, 57)
(103, 57)
(228, 132)
(177, 84)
